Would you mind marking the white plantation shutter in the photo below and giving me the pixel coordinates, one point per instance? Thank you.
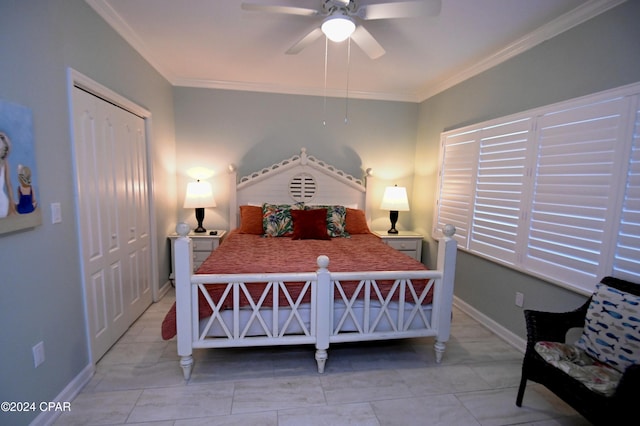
(626, 262)
(553, 192)
(456, 183)
(499, 189)
(575, 190)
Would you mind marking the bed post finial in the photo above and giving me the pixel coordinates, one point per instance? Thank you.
(449, 230)
(183, 229)
(323, 261)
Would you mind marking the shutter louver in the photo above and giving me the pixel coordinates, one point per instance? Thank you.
(573, 190)
(626, 262)
(499, 189)
(458, 168)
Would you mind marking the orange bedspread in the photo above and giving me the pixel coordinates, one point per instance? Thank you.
(246, 254)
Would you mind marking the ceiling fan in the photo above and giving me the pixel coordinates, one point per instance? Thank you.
(340, 20)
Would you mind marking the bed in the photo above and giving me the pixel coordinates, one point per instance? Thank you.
(301, 267)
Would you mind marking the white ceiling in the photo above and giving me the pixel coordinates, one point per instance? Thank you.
(216, 44)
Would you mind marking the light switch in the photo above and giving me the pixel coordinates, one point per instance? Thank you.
(56, 213)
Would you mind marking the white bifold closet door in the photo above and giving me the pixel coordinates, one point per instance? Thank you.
(113, 210)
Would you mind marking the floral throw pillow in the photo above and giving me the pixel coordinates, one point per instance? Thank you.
(276, 219)
(336, 219)
(611, 331)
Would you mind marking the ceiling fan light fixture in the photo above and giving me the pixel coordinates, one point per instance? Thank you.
(338, 27)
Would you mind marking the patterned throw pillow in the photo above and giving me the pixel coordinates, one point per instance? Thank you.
(611, 331)
(276, 219)
(336, 219)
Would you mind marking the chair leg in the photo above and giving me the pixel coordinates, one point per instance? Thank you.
(523, 384)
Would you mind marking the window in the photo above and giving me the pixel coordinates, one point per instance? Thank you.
(554, 192)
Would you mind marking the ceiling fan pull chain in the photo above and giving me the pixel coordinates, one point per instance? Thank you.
(326, 54)
(346, 106)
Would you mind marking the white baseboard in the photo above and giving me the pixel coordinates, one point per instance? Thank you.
(508, 336)
(74, 387)
(164, 290)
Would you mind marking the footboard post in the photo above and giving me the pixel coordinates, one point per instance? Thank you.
(184, 268)
(323, 312)
(447, 250)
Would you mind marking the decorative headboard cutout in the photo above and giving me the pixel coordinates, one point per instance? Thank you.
(303, 187)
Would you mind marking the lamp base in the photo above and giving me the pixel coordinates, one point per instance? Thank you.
(393, 217)
(200, 217)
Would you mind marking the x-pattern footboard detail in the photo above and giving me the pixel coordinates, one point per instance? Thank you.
(400, 297)
(255, 304)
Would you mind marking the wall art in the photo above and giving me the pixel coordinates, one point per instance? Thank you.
(19, 192)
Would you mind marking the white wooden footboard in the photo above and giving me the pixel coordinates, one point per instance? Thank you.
(402, 313)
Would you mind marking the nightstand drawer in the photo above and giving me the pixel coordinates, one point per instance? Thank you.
(203, 245)
(199, 257)
(404, 245)
(407, 242)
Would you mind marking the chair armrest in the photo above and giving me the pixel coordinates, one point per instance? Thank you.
(629, 386)
(553, 326)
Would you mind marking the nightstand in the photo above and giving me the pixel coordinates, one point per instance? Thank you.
(203, 244)
(407, 242)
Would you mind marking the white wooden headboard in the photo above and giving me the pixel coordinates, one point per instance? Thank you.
(299, 178)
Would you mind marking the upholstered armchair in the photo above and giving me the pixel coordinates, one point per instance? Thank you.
(599, 375)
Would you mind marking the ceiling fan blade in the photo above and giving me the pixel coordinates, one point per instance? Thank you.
(305, 41)
(287, 10)
(365, 40)
(403, 9)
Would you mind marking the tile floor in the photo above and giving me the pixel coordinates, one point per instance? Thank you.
(140, 382)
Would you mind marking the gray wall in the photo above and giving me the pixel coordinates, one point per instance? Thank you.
(41, 289)
(39, 39)
(600, 54)
(255, 130)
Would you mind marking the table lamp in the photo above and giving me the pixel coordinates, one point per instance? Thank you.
(199, 195)
(394, 200)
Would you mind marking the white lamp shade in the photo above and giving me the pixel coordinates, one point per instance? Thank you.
(395, 199)
(338, 27)
(199, 194)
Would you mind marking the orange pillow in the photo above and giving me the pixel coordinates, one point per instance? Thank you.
(310, 224)
(251, 220)
(356, 222)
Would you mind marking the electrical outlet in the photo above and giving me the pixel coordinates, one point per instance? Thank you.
(519, 299)
(38, 354)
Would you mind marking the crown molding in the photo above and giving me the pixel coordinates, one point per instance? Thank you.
(289, 90)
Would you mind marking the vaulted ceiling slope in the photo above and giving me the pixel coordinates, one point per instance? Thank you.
(218, 44)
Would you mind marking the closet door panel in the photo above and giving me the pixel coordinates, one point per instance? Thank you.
(110, 151)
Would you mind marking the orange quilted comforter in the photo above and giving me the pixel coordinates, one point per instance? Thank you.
(247, 254)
